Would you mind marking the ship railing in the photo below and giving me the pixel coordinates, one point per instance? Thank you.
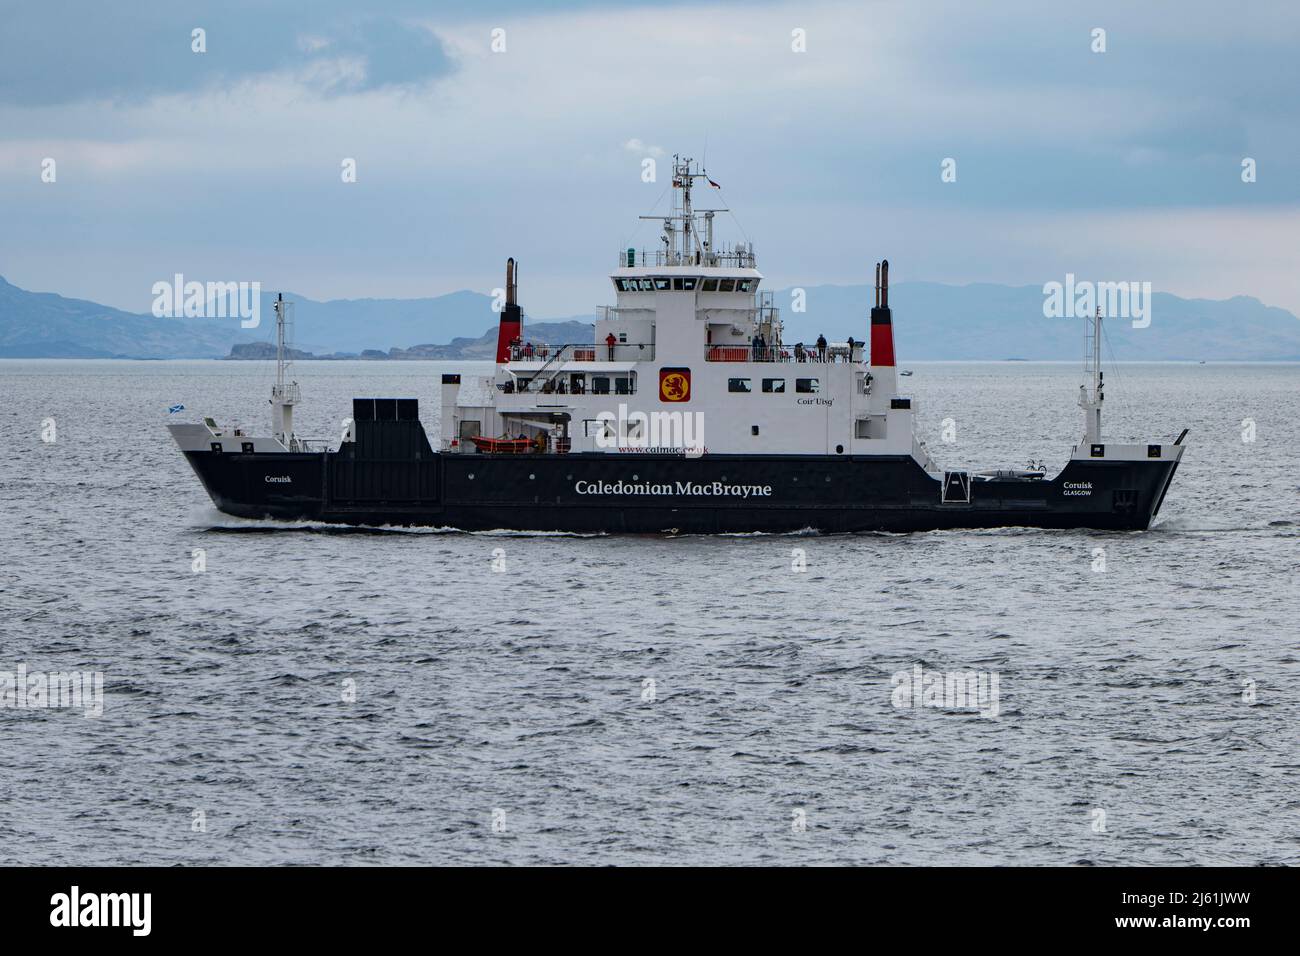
(648, 258)
(553, 355)
(289, 394)
(799, 353)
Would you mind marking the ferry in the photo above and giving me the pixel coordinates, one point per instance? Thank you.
(688, 412)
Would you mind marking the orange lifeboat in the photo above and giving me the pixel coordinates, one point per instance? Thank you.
(503, 446)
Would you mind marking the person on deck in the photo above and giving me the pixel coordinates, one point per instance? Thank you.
(851, 344)
(821, 348)
(610, 342)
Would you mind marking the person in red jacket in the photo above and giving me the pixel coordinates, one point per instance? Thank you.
(609, 341)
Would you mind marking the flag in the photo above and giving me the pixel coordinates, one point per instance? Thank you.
(712, 183)
(175, 408)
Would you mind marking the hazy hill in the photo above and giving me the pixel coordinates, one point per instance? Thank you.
(931, 321)
(45, 325)
(983, 321)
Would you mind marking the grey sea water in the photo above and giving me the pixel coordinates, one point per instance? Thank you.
(504, 717)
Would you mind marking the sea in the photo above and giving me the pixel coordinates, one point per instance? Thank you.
(302, 693)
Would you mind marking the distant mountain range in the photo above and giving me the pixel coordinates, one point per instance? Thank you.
(931, 322)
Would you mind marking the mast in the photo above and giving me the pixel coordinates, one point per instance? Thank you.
(279, 343)
(1090, 400)
(681, 238)
(283, 395)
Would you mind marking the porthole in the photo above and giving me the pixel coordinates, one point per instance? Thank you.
(471, 476)
(839, 449)
(532, 477)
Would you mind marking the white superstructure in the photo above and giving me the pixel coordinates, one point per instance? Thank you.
(692, 349)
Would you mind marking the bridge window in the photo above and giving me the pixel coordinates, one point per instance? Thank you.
(710, 285)
(807, 386)
(739, 385)
(645, 285)
(663, 285)
(744, 285)
(726, 285)
(774, 385)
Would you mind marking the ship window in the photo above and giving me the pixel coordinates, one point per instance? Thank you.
(710, 285)
(663, 284)
(774, 385)
(600, 385)
(689, 282)
(726, 285)
(739, 385)
(677, 284)
(622, 337)
(622, 385)
(743, 285)
(646, 285)
(807, 386)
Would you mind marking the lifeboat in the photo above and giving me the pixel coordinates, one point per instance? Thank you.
(503, 446)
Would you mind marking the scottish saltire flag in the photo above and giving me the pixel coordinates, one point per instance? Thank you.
(175, 408)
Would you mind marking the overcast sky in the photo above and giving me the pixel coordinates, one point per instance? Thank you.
(226, 165)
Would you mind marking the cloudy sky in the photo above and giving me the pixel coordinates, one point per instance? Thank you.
(226, 165)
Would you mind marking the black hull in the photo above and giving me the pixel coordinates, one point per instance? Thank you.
(594, 493)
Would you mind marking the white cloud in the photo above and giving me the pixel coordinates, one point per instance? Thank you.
(636, 146)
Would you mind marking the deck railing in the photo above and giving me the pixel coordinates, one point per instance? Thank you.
(653, 258)
(783, 353)
(546, 355)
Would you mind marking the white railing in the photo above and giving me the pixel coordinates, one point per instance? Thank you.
(289, 394)
(645, 259)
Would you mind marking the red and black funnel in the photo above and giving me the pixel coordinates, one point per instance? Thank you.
(882, 323)
(512, 321)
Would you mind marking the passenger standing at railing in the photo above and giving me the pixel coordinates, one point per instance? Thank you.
(851, 344)
(798, 351)
(528, 350)
(821, 348)
(609, 341)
